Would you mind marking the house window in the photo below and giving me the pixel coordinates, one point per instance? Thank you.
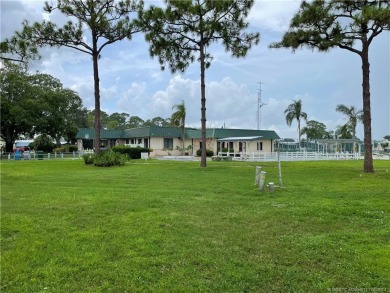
(140, 141)
(260, 146)
(127, 141)
(168, 143)
(132, 141)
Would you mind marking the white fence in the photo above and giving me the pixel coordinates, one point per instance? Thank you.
(291, 156)
(46, 156)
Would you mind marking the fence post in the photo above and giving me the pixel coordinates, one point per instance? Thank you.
(257, 176)
(262, 180)
(48, 156)
(279, 171)
(62, 155)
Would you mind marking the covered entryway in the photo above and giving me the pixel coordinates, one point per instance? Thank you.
(239, 147)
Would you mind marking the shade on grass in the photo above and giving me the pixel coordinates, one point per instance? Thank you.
(174, 227)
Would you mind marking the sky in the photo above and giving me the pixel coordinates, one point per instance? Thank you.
(132, 82)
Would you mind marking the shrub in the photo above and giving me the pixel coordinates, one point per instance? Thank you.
(110, 158)
(89, 159)
(132, 153)
(209, 153)
(73, 148)
(66, 148)
(59, 150)
(43, 143)
(225, 150)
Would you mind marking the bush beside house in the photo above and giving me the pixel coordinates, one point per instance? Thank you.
(209, 153)
(132, 153)
(106, 159)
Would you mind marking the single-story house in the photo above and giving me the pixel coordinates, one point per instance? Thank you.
(168, 140)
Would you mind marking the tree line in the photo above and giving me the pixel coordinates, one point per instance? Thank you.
(317, 130)
(181, 32)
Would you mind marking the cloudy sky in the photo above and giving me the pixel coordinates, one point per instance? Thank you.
(132, 82)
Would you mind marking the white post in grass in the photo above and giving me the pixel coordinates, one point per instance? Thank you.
(257, 176)
(262, 180)
(271, 186)
(280, 170)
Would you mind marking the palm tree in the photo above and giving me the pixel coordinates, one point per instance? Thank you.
(353, 116)
(178, 119)
(344, 131)
(294, 112)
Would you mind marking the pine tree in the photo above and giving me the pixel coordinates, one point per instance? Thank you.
(183, 31)
(323, 25)
(107, 21)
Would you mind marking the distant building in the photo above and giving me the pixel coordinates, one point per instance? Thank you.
(164, 140)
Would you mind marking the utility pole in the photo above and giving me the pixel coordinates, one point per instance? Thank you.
(260, 104)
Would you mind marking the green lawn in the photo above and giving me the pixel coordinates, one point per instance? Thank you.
(160, 226)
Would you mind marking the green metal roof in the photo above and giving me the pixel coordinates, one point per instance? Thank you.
(89, 133)
(152, 131)
(190, 133)
(225, 132)
(193, 133)
(156, 131)
(243, 138)
(136, 132)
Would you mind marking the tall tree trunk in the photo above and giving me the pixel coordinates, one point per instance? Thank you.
(368, 163)
(95, 57)
(182, 137)
(203, 102)
(299, 133)
(9, 141)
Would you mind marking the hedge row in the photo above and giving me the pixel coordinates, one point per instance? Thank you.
(132, 153)
(209, 153)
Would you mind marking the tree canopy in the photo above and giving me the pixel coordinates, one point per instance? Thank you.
(353, 115)
(294, 112)
(178, 119)
(344, 131)
(315, 130)
(18, 49)
(36, 103)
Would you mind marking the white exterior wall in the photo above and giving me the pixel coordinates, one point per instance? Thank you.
(248, 147)
(157, 145)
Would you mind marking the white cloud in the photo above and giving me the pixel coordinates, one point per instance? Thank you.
(84, 87)
(132, 99)
(273, 15)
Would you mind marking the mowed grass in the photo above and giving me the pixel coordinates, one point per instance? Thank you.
(160, 226)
